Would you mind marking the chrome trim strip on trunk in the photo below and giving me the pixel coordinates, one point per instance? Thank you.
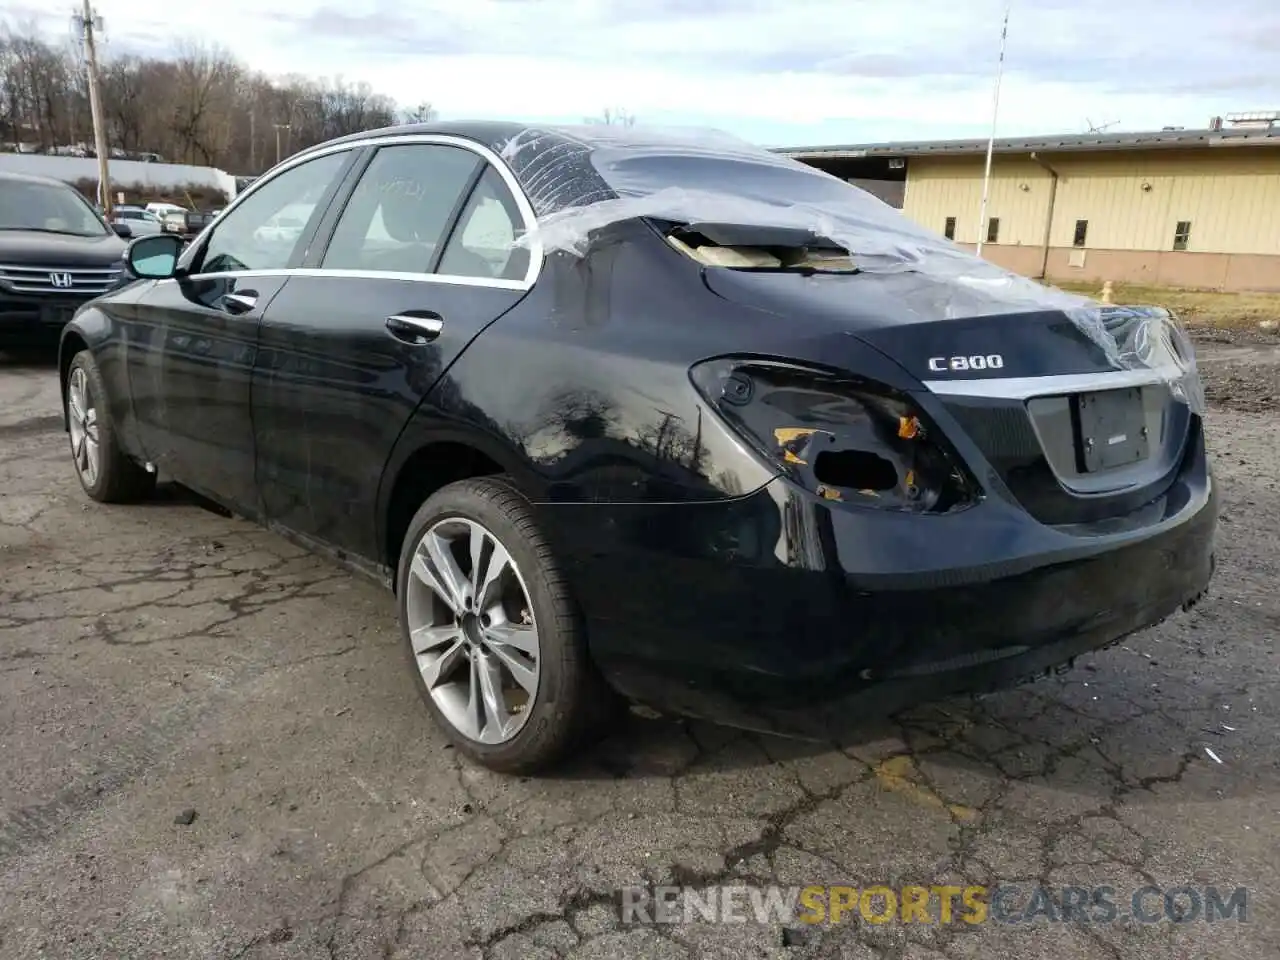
(1024, 388)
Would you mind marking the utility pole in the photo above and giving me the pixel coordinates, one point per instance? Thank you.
(279, 127)
(991, 143)
(88, 21)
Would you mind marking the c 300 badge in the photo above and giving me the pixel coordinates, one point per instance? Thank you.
(979, 361)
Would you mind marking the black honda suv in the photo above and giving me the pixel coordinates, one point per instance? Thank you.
(56, 253)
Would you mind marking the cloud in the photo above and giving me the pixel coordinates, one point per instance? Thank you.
(801, 71)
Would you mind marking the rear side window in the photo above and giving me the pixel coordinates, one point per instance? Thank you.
(482, 244)
(400, 209)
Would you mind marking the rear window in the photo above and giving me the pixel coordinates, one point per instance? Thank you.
(644, 175)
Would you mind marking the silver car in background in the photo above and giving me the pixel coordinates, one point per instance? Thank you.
(141, 222)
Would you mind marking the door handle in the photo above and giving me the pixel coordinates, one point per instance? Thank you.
(240, 302)
(414, 329)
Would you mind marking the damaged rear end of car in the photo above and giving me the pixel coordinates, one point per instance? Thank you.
(976, 477)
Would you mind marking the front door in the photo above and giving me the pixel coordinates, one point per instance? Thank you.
(418, 261)
(194, 338)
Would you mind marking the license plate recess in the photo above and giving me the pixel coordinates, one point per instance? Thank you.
(1111, 429)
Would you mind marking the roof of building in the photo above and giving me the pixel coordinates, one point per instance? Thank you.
(1055, 143)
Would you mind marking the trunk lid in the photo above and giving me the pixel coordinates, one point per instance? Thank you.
(1023, 387)
(913, 319)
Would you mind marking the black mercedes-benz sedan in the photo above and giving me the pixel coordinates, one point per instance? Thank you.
(658, 415)
(56, 253)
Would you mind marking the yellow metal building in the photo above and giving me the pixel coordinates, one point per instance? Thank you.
(1190, 208)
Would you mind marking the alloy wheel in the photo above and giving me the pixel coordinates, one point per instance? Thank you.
(472, 630)
(83, 421)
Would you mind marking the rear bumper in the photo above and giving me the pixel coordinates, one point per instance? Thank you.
(777, 612)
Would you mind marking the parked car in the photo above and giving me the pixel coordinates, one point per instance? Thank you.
(284, 228)
(186, 224)
(685, 421)
(140, 222)
(161, 208)
(194, 221)
(56, 253)
(173, 221)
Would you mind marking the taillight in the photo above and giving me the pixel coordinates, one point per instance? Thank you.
(840, 437)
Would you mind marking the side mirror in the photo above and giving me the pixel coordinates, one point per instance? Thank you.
(122, 230)
(154, 257)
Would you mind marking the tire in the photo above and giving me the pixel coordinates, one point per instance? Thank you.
(568, 693)
(116, 478)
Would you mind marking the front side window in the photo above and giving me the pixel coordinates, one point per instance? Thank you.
(263, 231)
(398, 213)
(482, 244)
(47, 208)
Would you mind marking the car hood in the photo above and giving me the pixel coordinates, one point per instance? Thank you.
(33, 248)
(919, 320)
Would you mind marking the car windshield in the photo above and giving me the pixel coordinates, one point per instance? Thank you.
(48, 208)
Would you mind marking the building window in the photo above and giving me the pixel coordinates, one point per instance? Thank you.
(993, 230)
(950, 228)
(1182, 235)
(1082, 231)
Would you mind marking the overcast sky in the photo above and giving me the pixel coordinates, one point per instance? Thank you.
(776, 71)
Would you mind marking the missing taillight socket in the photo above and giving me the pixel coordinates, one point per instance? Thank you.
(737, 390)
(855, 470)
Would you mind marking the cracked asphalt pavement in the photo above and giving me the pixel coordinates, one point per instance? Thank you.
(209, 747)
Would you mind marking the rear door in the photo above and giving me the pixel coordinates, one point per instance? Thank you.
(192, 340)
(404, 275)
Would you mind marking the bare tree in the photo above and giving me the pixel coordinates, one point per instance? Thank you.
(37, 87)
(198, 106)
(124, 101)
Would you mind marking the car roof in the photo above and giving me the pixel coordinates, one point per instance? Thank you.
(563, 167)
(541, 149)
(491, 133)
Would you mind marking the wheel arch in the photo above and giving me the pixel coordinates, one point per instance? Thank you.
(85, 332)
(423, 462)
